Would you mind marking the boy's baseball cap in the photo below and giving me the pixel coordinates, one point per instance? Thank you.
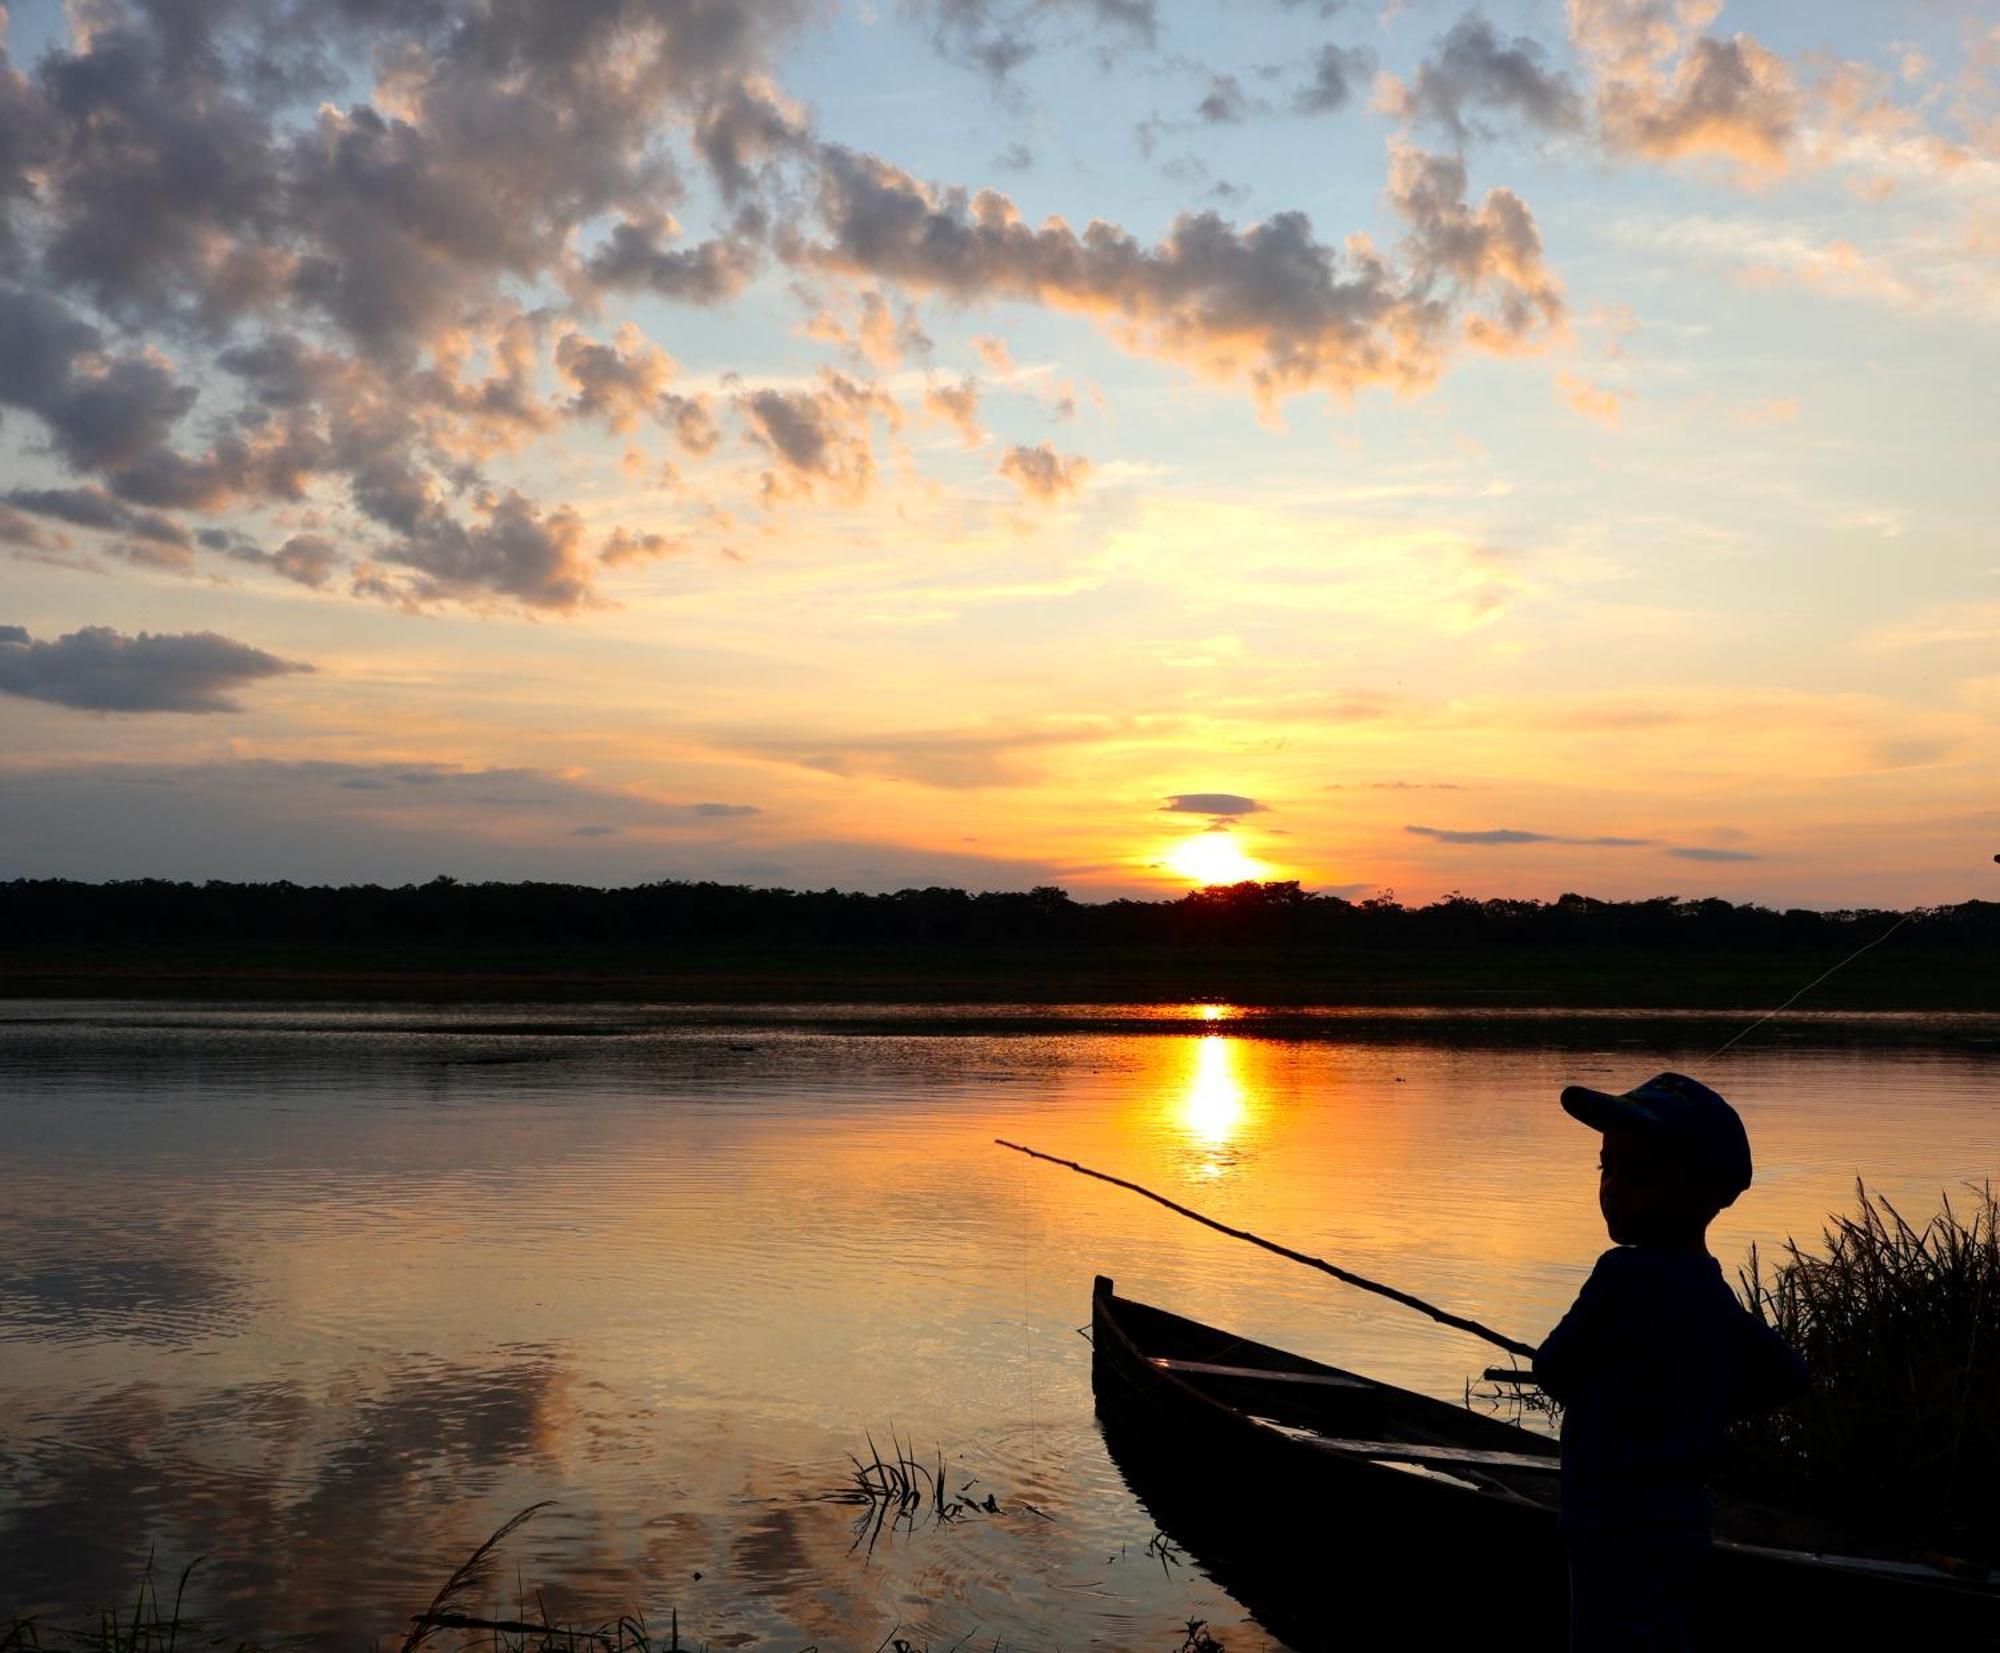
(1682, 1109)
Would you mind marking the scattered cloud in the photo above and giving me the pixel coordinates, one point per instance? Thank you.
(820, 440)
(1212, 803)
(1593, 401)
(1225, 102)
(1403, 786)
(1042, 474)
(1730, 98)
(996, 37)
(958, 406)
(1665, 90)
(1472, 68)
(94, 508)
(1336, 71)
(97, 669)
(1494, 836)
(1268, 305)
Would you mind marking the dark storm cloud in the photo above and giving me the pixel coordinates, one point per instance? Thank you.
(1473, 68)
(100, 670)
(1212, 803)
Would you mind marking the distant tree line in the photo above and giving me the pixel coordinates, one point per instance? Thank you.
(698, 917)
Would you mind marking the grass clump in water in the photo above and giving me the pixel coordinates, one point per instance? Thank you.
(1898, 1440)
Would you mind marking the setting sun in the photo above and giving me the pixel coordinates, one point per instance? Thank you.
(1214, 858)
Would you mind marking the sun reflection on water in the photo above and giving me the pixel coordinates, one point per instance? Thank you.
(1213, 1108)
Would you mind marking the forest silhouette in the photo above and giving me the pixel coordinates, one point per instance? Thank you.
(1268, 942)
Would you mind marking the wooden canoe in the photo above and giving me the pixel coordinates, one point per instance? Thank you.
(1310, 1493)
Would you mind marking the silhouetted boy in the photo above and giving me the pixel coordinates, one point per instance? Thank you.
(1651, 1363)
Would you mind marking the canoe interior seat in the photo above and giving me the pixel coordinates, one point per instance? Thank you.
(1205, 1368)
(1411, 1452)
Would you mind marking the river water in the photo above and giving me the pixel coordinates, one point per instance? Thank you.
(322, 1294)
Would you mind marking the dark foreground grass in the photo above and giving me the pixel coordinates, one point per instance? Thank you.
(154, 1622)
(1898, 1440)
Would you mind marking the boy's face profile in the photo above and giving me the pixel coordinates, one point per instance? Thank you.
(1650, 1193)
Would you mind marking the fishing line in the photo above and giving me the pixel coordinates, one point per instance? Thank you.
(1866, 947)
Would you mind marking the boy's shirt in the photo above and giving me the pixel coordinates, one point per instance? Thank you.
(1651, 1363)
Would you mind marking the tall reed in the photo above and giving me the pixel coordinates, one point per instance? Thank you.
(1898, 1441)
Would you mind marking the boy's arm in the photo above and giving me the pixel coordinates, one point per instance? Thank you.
(1569, 1351)
(1769, 1371)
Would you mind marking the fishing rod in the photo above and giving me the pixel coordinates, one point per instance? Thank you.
(1444, 1317)
(1347, 1277)
(1865, 947)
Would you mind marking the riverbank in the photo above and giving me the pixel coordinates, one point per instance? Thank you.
(1274, 978)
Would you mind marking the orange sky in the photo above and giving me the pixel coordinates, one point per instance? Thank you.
(1524, 450)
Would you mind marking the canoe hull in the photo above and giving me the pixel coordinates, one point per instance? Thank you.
(1314, 1542)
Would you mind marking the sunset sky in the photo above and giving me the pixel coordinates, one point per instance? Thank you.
(1112, 443)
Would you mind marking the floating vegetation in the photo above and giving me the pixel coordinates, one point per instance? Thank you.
(904, 1492)
(1898, 1439)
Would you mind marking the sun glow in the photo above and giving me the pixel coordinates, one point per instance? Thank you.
(1212, 1107)
(1214, 858)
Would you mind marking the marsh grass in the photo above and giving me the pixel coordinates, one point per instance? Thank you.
(147, 1626)
(1898, 1441)
(903, 1493)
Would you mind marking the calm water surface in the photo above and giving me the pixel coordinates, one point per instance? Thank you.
(322, 1294)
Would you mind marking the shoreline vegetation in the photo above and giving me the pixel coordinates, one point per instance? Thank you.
(1898, 1440)
(1273, 945)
